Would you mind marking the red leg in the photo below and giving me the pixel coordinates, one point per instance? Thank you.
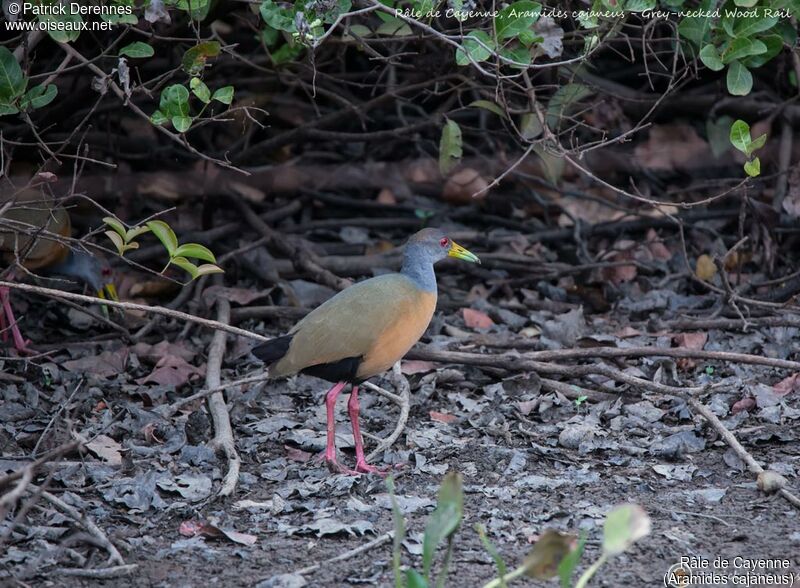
(19, 340)
(361, 460)
(330, 447)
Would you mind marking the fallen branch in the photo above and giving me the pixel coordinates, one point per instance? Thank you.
(377, 542)
(223, 432)
(99, 573)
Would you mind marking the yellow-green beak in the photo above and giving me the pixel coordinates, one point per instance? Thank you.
(458, 251)
(107, 292)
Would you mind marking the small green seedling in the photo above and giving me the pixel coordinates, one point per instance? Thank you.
(124, 240)
(741, 139)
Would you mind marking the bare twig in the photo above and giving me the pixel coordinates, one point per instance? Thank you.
(403, 400)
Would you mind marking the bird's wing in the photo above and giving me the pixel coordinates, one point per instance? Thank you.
(349, 324)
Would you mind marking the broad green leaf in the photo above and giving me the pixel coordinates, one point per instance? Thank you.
(743, 47)
(757, 144)
(547, 553)
(200, 90)
(12, 82)
(137, 50)
(61, 27)
(518, 17)
(196, 251)
(624, 525)
(639, 5)
(748, 26)
(745, 3)
(197, 9)
(174, 101)
(695, 29)
(286, 53)
(529, 126)
(181, 123)
(774, 44)
(125, 15)
(740, 135)
(492, 551)
(223, 94)
(710, 58)
(279, 17)
(450, 144)
(787, 32)
(117, 241)
(135, 232)
(194, 60)
(165, 234)
(473, 50)
(520, 55)
(117, 225)
(718, 133)
(488, 105)
(357, 30)
(753, 167)
(38, 96)
(7, 109)
(444, 521)
(568, 565)
(207, 269)
(158, 118)
(553, 164)
(186, 265)
(739, 79)
(564, 101)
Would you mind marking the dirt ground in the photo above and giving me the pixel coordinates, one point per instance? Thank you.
(530, 460)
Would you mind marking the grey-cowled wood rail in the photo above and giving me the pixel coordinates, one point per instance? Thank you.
(33, 233)
(363, 330)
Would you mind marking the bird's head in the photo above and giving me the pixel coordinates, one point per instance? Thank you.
(433, 245)
(92, 270)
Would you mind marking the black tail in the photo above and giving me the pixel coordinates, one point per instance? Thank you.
(272, 350)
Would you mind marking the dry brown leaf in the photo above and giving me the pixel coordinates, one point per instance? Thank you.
(106, 449)
(694, 341)
(465, 186)
(386, 196)
(788, 384)
(416, 366)
(671, 147)
(705, 269)
(108, 363)
(443, 417)
(476, 319)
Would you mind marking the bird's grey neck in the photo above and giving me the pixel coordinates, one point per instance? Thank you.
(420, 272)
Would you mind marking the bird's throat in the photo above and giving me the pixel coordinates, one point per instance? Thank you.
(421, 273)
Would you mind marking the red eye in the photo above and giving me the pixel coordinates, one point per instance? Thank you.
(106, 271)
(444, 242)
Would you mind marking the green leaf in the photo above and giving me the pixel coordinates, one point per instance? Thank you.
(564, 101)
(38, 96)
(518, 54)
(12, 81)
(757, 144)
(753, 167)
(569, 564)
(529, 126)
(137, 50)
(718, 133)
(491, 550)
(223, 94)
(287, 53)
(200, 90)
(639, 5)
(165, 234)
(743, 47)
(196, 251)
(695, 29)
(710, 58)
(117, 241)
(135, 232)
(174, 101)
(158, 118)
(197, 9)
(517, 17)
(472, 50)
(740, 135)
(7, 109)
(278, 16)
(357, 30)
(194, 60)
(488, 105)
(181, 123)
(624, 525)
(750, 25)
(414, 580)
(547, 553)
(185, 264)
(787, 32)
(553, 164)
(61, 27)
(739, 79)
(745, 3)
(774, 44)
(208, 269)
(450, 147)
(444, 521)
(117, 225)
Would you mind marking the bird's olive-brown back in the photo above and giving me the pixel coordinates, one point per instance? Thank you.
(31, 213)
(377, 320)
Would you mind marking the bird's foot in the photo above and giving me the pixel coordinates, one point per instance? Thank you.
(363, 467)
